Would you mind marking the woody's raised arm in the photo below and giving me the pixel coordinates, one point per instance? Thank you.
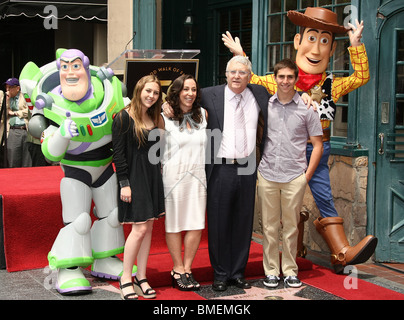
(234, 45)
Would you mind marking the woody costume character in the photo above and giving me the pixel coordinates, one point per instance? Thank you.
(315, 45)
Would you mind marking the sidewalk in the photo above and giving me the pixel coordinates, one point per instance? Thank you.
(37, 284)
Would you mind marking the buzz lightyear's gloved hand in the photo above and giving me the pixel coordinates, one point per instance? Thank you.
(68, 128)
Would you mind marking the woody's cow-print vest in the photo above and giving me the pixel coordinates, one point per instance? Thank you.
(327, 107)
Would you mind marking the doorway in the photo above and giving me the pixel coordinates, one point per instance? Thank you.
(389, 189)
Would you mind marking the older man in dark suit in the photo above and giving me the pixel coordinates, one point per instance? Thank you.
(234, 111)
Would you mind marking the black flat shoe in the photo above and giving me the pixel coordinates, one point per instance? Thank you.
(241, 283)
(219, 285)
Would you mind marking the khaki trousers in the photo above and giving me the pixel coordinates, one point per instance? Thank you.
(280, 202)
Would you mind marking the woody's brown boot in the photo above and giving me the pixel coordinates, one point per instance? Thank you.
(301, 248)
(342, 254)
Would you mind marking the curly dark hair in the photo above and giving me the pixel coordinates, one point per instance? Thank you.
(173, 99)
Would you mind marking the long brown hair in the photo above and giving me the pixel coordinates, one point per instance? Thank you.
(136, 105)
(173, 99)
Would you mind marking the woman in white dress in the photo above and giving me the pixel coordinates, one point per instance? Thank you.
(184, 177)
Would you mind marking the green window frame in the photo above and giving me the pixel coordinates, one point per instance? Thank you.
(274, 34)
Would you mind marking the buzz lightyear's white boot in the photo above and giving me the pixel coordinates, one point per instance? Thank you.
(71, 281)
(70, 251)
(72, 246)
(108, 240)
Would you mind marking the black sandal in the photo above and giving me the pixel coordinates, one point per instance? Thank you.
(148, 294)
(127, 296)
(182, 282)
(191, 279)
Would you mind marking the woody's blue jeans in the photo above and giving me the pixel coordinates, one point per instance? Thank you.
(320, 183)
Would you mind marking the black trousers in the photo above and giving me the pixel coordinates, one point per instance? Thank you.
(230, 212)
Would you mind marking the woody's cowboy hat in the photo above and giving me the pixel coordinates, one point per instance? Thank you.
(318, 18)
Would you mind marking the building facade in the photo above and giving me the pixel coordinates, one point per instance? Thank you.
(367, 159)
(366, 165)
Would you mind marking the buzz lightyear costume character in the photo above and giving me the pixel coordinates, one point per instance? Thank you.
(79, 102)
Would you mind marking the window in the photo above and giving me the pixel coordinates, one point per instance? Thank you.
(397, 138)
(280, 32)
(238, 21)
(400, 79)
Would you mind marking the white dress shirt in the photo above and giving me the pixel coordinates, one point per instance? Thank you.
(251, 111)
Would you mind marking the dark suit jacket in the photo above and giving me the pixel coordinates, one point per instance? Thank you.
(213, 102)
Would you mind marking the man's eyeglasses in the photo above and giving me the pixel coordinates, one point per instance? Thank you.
(241, 73)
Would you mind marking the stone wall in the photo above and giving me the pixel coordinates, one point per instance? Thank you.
(348, 183)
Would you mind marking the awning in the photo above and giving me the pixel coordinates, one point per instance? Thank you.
(65, 9)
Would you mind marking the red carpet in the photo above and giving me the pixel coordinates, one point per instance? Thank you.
(31, 215)
(324, 279)
(32, 219)
(348, 288)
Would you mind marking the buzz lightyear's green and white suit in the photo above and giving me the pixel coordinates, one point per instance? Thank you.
(78, 135)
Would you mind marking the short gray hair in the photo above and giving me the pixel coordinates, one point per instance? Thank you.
(240, 59)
